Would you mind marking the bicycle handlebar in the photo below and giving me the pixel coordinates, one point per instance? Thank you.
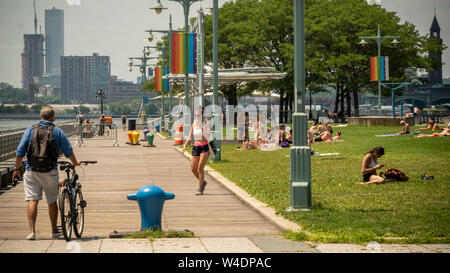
(89, 162)
(64, 164)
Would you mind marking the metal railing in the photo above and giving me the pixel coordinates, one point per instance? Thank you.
(94, 131)
(10, 139)
(439, 116)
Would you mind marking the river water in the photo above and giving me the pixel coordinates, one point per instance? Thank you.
(8, 124)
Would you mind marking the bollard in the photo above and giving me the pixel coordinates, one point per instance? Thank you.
(149, 138)
(135, 135)
(151, 202)
(146, 131)
(130, 136)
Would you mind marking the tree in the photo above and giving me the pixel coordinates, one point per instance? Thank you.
(9, 94)
(335, 28)
(237, 29)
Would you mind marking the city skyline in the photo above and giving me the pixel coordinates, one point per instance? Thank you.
(116, 28)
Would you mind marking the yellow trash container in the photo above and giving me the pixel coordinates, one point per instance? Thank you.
(135, 137)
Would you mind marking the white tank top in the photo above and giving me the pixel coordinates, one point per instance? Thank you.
(198, 132)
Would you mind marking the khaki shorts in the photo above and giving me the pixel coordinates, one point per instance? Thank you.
(35, 182)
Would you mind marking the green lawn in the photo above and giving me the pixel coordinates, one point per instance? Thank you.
(412, 212)
(165, 134)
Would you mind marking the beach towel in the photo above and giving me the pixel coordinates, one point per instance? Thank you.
(319, 154)
(391, 135)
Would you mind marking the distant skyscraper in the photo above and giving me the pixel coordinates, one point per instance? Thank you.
(32, 58)
(54, 40)
(82, 76)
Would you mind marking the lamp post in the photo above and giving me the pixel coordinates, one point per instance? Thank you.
(150, 39)
(186, 5)
(101, 95)
(300, 153)
(217, 142)
(163, 50)
(379, 39)
(142, 67)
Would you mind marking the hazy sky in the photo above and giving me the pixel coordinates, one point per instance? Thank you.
(116, 28)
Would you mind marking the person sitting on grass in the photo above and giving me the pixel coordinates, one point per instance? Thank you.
(445, 132)
(370, 166)
(328, 127)
(289, 137)
(416, 112)
(405, 130)
(314, 127)
(431, 125)
(282, 133)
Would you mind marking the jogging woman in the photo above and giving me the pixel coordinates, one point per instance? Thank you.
(200, 152)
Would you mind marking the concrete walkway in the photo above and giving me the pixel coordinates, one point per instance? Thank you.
(250, 244)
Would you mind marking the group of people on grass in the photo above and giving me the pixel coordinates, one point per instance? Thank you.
(322, 133)
(316, 133)
(431, 125)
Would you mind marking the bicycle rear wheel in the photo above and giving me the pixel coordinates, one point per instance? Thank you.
(78, 224)
(66, 214)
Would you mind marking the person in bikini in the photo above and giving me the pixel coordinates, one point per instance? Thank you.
(200, 151)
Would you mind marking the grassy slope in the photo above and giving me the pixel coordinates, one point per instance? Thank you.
(413, 211)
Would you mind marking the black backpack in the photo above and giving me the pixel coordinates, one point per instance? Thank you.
(42, 152)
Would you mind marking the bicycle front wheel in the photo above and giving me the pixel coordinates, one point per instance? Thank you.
(78, 224)
(66, 214)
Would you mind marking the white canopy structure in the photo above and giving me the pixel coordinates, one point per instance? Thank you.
(238, 76)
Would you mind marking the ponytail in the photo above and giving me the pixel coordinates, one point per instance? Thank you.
(379, 150)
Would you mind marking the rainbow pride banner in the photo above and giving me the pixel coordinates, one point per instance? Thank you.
(161, 83)
(384, 69)
(184, 61)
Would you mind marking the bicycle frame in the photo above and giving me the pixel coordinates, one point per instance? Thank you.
(70, 186)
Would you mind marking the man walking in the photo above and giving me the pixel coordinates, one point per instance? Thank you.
(40, 143)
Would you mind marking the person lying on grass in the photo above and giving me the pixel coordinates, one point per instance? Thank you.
(323, 137)
(446, 132)
(405, 130)
(431, 125)
(337, 137)
(370, 166)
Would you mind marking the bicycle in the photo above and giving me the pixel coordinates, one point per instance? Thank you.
(70, 201)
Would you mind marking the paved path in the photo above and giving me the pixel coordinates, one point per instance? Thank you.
(250, 244)
(122, 170)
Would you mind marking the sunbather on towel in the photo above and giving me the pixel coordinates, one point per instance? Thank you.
(446, 132)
